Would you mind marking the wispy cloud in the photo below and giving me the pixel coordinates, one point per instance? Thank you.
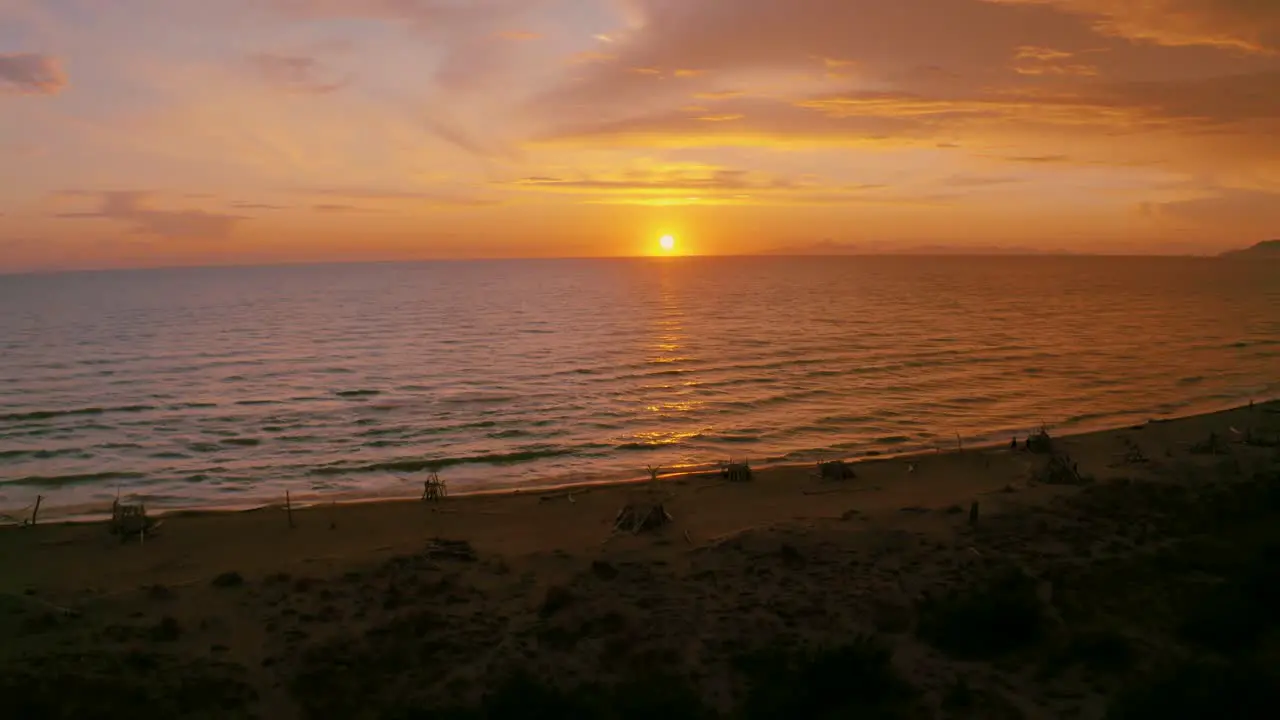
(296, 74)
(435, 199)
(130, 207)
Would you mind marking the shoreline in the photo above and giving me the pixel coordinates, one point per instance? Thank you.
(377, 609)
(101, 513)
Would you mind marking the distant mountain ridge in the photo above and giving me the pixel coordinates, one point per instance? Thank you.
(1267, 249)
(829, 247)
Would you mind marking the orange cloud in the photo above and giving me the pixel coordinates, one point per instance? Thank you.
(1250, 25)
(31, 74)
(1031, 60)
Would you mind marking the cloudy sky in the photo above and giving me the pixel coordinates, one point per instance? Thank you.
(158, 132)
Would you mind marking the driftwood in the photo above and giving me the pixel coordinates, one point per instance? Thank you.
(434, 488)
(638, 518)
(737, 472)
(836, 470)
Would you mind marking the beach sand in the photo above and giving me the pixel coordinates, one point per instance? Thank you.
(1066, 596)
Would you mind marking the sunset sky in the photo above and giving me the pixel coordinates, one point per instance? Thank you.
(162, 132)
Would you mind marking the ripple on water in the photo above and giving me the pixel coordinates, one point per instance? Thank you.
(788, 358)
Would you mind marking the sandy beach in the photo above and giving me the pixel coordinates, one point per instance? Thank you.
(974, 583)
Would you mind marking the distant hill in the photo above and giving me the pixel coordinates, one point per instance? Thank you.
(1267, 250)
(830, 248)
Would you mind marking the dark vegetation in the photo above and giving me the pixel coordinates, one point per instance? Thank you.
(987, 621)
(87, 686)
(1162, 596)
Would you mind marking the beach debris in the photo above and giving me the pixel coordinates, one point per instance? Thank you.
(1061, 470)
(653, 472)
(14, 598)
(836, 470)
(558, 597)
(642, 517)
(1212, 445)
(35, 514)
(1041, 443)
(737, 472)
(1253, 439)
(167, 630)
(790, 555)
(129, 519)
(288, 508)
(603, 570)
(1133, 454)
(228, 579)
(442, 549)
(433, 488)
(973, 513)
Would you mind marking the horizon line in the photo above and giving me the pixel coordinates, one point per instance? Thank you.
(773, 254)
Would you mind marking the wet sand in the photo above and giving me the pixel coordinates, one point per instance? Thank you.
(390, 609)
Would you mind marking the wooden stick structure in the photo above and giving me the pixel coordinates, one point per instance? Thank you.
(35, 514)
(131, 519)
(434, 488)
(638, 518)
(737, 472)
(288, 508)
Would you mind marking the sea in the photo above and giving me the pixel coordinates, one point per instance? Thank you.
(228, 387)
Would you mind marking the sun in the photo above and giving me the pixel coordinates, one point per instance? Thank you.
(667, 243)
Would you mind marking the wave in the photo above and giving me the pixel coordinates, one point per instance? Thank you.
(50, 414)
(743, 438)
(39, 454)
(421, 464)
(73, 479)
(357, 393)
(643, 446)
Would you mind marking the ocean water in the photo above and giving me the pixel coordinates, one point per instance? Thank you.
(227, 387)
